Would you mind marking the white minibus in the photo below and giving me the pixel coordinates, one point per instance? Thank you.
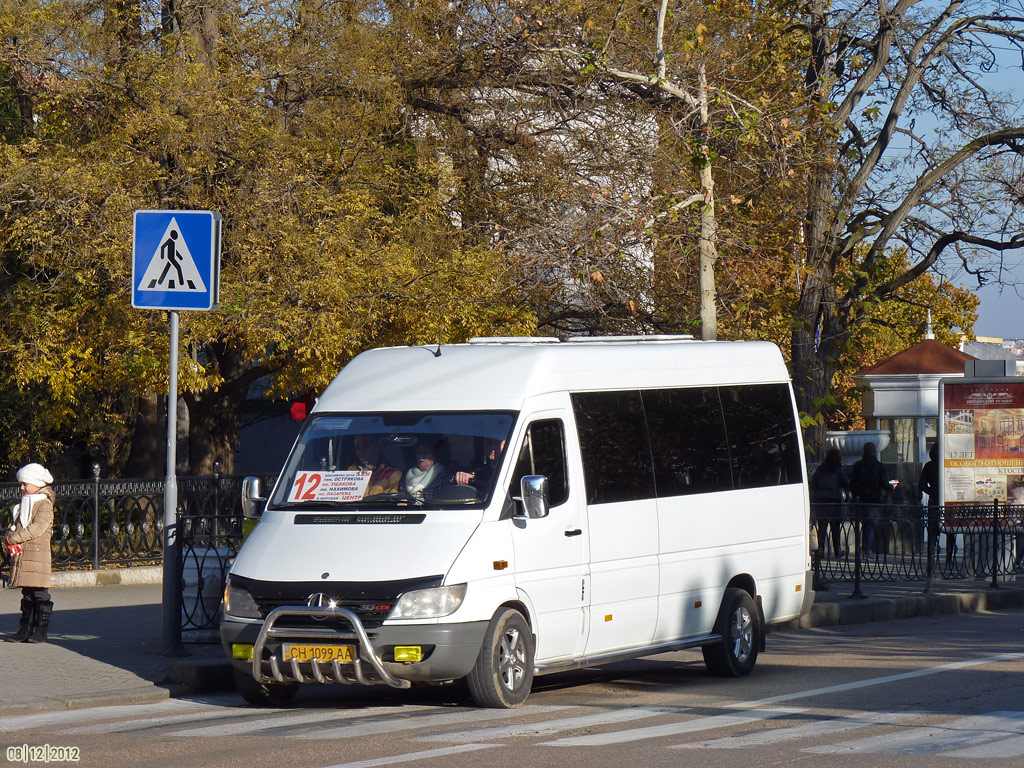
(512, 507)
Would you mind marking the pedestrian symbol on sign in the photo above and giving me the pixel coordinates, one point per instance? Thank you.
(172, 267)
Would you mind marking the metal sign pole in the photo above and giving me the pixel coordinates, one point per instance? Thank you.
(175, 266)
(171, 578)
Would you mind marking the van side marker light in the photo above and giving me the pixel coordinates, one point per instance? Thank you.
(799, 587)
(500, 565)
(698, 603)
(608, 617)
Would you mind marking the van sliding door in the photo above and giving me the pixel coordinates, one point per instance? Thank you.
(623, 518)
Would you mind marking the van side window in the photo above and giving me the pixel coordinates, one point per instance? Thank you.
(543, 453)
(762, 435)
(614, 447)
(688, 440)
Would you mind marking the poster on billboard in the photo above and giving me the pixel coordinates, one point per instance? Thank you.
(982, 438)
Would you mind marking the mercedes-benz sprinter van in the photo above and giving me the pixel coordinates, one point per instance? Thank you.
(510, 507)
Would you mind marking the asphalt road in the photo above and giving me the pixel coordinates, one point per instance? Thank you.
(918, 692)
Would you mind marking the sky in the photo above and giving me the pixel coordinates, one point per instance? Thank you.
(1001, 313)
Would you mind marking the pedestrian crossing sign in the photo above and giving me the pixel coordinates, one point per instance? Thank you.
(176, 260)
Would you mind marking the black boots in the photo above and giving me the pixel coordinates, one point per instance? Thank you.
(36, 608)
(28, 610)
(42, 623)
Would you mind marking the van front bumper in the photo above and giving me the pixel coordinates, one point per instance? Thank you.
(449, 650)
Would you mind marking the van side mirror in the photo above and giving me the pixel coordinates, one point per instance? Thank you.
(252, 502)
(534, 490)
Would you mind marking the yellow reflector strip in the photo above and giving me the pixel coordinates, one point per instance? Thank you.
(408, 653)
(241, 651)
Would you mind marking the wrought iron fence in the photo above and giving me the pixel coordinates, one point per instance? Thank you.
(109, 523)
(888, 542)
(103, 523)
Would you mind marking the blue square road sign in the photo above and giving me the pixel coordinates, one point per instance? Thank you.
(176, 260)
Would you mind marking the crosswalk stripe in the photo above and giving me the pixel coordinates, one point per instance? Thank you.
(121, 711)
(931, 739)
(1012, 747)
(391, 723)
(301, 718)
(671, 729)
(122, 726)
(951, 667)
(545, 727)
(411, 756)
(827, 727)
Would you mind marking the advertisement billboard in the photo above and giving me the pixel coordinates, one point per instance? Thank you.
(982, 441)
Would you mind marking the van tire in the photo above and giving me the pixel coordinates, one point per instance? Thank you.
(740, 627)
(503, 673)
(264, 694)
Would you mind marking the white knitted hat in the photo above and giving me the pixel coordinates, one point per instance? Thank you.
(35, 474)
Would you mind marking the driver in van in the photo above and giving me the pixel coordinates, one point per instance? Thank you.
(383, 479)
(482, 475)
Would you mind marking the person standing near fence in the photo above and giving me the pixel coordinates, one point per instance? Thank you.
(928, 484)
(828, 489)
(869, 483)
(28, 542)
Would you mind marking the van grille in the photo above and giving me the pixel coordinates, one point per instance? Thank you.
(371, 601)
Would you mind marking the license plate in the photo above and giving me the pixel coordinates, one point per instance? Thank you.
(345, 654)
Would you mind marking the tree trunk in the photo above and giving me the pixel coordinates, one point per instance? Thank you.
(708, 222)
(215, 415)
(818, 326)
(146, 456)
(214, 422)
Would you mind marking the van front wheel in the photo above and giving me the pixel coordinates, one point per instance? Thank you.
(738, 624)
(264, 694)
(503, 673)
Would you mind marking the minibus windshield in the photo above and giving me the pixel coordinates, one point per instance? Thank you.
(395, 460)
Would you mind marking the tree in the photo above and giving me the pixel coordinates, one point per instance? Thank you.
(915, 72)
(894, 325)
(337, 236)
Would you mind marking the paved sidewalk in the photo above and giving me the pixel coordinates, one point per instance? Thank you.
(104, 648)
(105, 640)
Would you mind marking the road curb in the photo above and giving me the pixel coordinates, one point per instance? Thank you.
(860, 611)
(142, 695)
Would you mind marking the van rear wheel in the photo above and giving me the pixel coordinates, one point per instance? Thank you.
(740, 628)
(503, 673)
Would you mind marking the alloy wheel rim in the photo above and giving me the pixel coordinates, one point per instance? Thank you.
(511, 659)
(742, 633)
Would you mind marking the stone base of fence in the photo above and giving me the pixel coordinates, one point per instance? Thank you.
(145, 574)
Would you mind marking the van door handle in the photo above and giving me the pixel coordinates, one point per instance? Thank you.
(574, 532)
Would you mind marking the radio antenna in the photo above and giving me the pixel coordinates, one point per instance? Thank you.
(440, 334)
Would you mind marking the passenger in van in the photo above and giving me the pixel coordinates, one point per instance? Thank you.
(483, 475)
(383, 479)
(428, 476)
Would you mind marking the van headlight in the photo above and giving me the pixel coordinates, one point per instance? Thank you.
(238, 602)
(429, 603)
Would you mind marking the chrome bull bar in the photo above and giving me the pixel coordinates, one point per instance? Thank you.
(366, 668)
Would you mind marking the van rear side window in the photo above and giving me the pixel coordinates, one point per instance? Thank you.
(763, 444)
(639, 444)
